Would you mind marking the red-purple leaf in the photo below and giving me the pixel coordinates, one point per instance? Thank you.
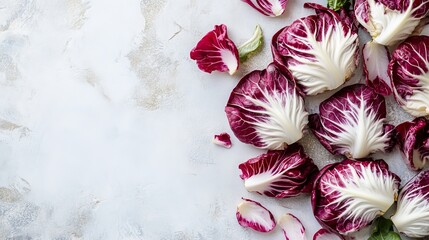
(324, 234)
(216, 52)
(266, 110)
(253, 215)
(292, 227)
(375, 65)
(320, 50)
(412, 214)
(409, 71)
(348, 196)
(390, 21)
(351, 123)
(271, 8)
(279, 174)
(223, 140)
(413, 139)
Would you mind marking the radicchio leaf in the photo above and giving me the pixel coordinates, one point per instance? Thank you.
(375, 65)
(271, 8)
(337, 4)
(278, 173)
(324, 234)
(292, 227)
(409, 71)
(252, 45)
(390, 21)
(413, 139)
(348, 196)
(351, 123)
(320, 50)
(266, 110)
(216, 52)
(223, 140)
(412, 214)
(253, 215)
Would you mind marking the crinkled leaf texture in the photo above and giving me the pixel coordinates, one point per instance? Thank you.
(413, 141)
(253, 215)
(409, 71)
(384, 230)
(390, 21)
(265, 109)
(337, 4)
(348, 196)
(223, 140)
(271, 8)
(279, 173)
(324, 234)
(376, 61)
(292, 227)
(412, 214)
(321, 50)
(216, 52)
(351, 123)
(252, 45)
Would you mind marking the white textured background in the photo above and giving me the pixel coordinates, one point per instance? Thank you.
(106, 124)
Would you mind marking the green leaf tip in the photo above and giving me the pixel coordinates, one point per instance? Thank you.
(251, 45)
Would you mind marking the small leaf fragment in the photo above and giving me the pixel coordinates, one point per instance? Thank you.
(253, 215)
(324, 234)
(223, 140)
(337, 4)
(384, 230)
(292, 227)
(251, 45)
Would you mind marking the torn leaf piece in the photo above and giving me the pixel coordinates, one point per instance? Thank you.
(216, 52)
(292, 227)
(223, 140)
(252, 45)
(271, 8)
(253, 215)
(324, 234)
(376, 61)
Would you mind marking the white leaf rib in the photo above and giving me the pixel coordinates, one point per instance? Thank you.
(333, 61)
(361, 132)
(365, 194)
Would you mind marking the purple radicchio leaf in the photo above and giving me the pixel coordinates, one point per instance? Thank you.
(278, 173)
(266, 110)
(292, 227)
(271, 8)
(413, 139)
(324, 234)
(320, 50)
(412, 214)
(375, 65)
(253, 215)
(223, 140)
(348, 196)
(351, 123)
(409, 72)
(216, 52)
(390, 21)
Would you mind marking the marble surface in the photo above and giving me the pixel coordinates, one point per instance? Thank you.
(106, 124)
